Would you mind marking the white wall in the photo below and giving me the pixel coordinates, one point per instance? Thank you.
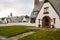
(25, 24)
(52, 14)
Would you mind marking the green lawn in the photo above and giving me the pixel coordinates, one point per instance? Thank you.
(43, 35)
(13, 30)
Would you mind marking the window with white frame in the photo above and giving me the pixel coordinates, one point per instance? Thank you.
(35, 12)
(46, 9)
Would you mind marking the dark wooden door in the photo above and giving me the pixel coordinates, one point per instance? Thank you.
(46, 22)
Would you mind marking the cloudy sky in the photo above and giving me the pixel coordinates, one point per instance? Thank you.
(17, 7)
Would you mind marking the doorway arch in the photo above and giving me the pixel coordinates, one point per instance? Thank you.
(46, 22)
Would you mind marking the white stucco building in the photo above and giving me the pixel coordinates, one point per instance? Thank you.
(26, 20)
(46, 14)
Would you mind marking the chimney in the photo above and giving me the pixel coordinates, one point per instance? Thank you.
(36, 2)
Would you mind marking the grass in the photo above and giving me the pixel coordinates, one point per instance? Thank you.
(43, 35)
(13, 30)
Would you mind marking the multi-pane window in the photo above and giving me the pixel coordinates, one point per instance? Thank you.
(46, 9)
(35, 12)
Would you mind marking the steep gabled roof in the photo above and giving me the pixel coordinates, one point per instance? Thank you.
(55, 4)
(36, 8)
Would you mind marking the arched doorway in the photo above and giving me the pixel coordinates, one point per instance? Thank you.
(46, 22)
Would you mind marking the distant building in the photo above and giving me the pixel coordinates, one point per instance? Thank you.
(15, 19)
(0, 21)
(25, 19)
(4, 20)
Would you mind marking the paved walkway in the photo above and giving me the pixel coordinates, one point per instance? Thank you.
(17, 36)
(2, 38)
(20, 36)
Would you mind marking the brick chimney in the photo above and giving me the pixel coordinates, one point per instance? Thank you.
(36, 2)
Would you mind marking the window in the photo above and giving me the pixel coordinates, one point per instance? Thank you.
(46, 9)
(54, 20)
(39, 21)
(32, 20)
(35, 12)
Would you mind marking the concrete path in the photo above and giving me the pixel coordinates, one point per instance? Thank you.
(17, 36)
(33, 30)
(20, 36)
(2, 38)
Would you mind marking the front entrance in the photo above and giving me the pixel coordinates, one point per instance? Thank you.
(46, 22)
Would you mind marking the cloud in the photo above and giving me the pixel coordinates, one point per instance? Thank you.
(17, 7)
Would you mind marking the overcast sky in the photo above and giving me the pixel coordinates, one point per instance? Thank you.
(17, 7)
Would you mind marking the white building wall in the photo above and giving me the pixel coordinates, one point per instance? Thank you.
(52, 14)
(4, 21)
(24, 24)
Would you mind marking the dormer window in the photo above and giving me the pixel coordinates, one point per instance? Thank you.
(46, 10)
(35, 12)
